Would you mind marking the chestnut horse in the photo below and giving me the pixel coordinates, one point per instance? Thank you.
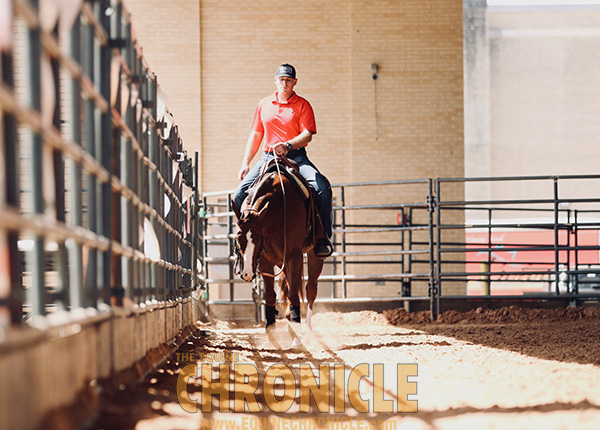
(273, 228)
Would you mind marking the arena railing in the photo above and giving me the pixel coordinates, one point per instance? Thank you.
(539, 243)
(378, 257)
(98, 202)
(438, 249)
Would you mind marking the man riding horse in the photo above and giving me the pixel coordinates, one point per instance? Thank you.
(286, 122)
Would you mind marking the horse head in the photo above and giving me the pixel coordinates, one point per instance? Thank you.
(249, 241)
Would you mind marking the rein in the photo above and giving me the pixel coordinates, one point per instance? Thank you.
(284, 227)
(252, 209)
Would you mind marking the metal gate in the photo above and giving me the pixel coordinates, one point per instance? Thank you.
(98, 210)
(418, 243)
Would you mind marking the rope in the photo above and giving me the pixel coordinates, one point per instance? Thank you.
(284, 225)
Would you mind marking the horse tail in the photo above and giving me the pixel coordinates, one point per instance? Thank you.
(284, 287)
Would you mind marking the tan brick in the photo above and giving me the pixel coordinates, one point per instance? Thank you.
(216, 59)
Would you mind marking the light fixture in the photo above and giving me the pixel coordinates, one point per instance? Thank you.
(374, 70)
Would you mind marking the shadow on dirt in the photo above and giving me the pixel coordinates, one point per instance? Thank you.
(564, 334)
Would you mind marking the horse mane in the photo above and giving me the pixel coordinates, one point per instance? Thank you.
(259, 189)
(267, 172)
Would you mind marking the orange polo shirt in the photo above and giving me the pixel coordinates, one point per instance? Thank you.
(281, 122)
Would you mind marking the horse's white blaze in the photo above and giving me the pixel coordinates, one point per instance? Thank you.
(247, 270)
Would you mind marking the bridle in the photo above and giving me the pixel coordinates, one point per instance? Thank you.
(262, 248)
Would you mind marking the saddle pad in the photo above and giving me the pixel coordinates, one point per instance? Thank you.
(294, 177)
(299, 181)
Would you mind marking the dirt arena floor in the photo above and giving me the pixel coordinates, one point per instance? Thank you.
(507, 368)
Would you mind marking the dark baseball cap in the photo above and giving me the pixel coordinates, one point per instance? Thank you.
(286, 70)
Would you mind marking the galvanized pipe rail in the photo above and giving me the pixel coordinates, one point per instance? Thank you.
(343, 267)
(558, 219)
(426, 245)
(98, 204)
(103, 137)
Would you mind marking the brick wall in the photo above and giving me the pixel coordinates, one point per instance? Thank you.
(216, 60)
(170, 36)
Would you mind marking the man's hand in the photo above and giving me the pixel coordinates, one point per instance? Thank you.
(280, 148)
(251, 149)
(243, 172)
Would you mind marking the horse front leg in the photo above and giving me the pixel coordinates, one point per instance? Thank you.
(270, 307)
(293, 273)
(270, 300)
(315, 267)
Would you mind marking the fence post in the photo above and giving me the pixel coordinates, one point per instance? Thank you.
(61, 295)
(204, 231)
(487, 279)
(153, 185)
(123, 205)
(231, 246)
(407, 283)
(194, 208)
(104, 150)
(36, 292)
(74, 249)
(556, 237)
(576, 238)
(343, 225)
(11, 296)
(433, 273)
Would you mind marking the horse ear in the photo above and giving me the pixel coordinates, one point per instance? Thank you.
(236, 210)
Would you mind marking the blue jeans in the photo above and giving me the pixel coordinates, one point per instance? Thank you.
(308, 170)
